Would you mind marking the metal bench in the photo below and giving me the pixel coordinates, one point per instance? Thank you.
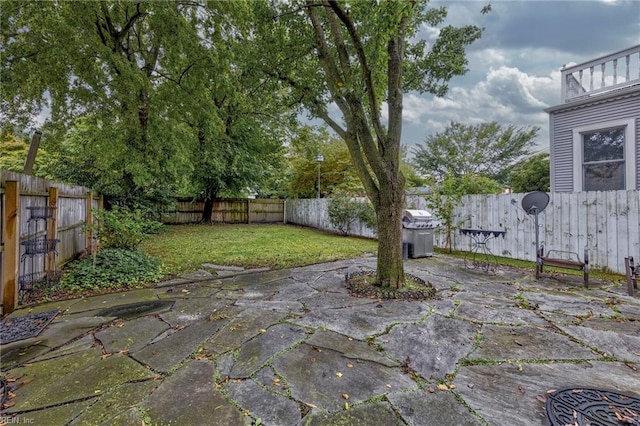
(633, 273)
(548, 260)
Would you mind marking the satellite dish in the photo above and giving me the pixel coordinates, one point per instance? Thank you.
(535, 202)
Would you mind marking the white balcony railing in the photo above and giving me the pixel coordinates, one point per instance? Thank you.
(615, 71)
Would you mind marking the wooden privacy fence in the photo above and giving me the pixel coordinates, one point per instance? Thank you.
(73, 208)
(227, 210)
(607, 223)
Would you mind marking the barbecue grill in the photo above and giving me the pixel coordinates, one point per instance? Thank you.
(417, 234)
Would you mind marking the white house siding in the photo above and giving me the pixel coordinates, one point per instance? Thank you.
(565, 118)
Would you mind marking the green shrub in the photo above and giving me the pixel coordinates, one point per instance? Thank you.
(111, 268)
(345, 210)
(120, 228)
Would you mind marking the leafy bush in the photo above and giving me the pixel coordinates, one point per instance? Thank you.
(120, 228)
(111, 268)
(447, 195)
(344, 211)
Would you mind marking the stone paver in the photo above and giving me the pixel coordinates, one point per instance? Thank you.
(269, 407)
(442, 342)
(189, 397)
(293, 347)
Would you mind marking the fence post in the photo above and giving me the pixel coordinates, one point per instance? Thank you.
(89, 222)
(248, 210)
(52, 231)
(10, 268)
(284, 211)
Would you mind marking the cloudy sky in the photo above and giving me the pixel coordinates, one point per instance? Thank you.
(514, 70)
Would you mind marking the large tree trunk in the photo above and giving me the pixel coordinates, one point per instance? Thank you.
(390, 268)
(210, 194)
(207, 211)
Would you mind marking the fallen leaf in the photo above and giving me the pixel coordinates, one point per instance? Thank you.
(262, 330)
(216, 317)
(470, 385)
(276, 382)
(430, 389)
(339, 374)
(388, 385)
(346, 405)
(8, 404)
(345, 395)
(349, 365)
(26, 381)
(442, 387)
(541, 398)
(452, 386)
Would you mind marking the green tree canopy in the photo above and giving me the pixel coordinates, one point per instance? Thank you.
(486, 149)
(531, 174)
(13, 154)
(336, 170)
(147, 99)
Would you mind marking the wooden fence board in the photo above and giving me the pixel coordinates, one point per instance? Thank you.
(227, 210)
(69, 221)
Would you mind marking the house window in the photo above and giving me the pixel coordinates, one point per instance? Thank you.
(604, 156)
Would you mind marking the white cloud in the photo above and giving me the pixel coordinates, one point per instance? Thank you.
(505, 94)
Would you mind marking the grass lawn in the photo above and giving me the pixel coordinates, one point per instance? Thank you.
(183, 248)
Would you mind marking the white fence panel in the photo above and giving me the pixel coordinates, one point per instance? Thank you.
(607, 223)
(313, 212)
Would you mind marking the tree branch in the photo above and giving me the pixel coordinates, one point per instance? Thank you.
(366, 71)
(343, 55)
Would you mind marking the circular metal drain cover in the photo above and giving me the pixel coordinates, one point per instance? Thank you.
(587, 406)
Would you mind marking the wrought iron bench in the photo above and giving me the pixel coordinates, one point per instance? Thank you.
(558, 262)
(633, 273)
